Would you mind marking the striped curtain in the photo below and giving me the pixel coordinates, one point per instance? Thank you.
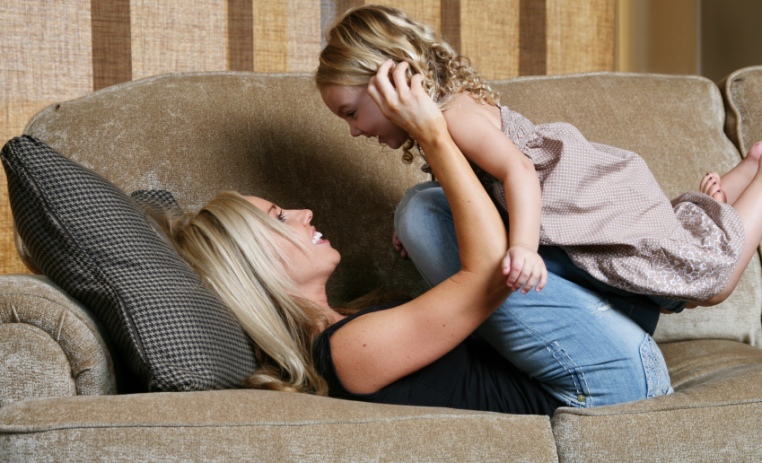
(55, 50)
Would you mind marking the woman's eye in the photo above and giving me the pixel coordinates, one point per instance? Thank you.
(281, 216)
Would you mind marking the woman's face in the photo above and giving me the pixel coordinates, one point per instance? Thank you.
(354, 105)
(313, 262)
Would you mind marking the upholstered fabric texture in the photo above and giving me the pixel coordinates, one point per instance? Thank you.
(57, 349)
(53, 347)
(743, 96)
(87, 236)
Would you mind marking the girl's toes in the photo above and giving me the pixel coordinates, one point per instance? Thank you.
(719, 195)
(711, 185)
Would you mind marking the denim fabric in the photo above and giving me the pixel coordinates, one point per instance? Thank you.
(572, 339)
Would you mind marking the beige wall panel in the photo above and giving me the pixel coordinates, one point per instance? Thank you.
(45, 58)
(580, 35)
(175, 36)
(270, 36)
(631, 54)
(304, 35)
(673, 31)
(489, 36)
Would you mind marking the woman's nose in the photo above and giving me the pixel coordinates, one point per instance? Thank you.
(307, 216)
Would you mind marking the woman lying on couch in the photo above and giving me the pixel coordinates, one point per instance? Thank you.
(271, 266)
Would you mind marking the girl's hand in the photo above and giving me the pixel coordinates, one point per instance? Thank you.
(525, 269)
(406, 104)
(398, 246)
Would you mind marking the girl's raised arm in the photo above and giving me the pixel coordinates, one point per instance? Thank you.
(378, 348)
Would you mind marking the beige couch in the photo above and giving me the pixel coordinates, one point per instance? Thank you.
(62, 397)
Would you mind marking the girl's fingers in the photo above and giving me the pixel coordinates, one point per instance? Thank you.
(543, 281)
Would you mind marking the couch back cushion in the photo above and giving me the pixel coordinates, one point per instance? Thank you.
(676, 124)
(267, 135)
(743, 99)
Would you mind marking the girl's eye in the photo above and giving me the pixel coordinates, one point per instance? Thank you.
(281, 216)
(351, 115)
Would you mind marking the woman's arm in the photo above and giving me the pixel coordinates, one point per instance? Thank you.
(486, 145)
(378, 348)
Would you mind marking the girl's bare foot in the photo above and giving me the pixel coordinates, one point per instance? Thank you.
(711, 185)
(735, 181)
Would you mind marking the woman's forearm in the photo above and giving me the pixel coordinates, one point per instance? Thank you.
(479, 229)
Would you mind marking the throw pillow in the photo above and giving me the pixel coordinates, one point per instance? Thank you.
(92, 240)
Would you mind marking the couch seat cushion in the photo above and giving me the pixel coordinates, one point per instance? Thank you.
(263, 426)
(714, 414)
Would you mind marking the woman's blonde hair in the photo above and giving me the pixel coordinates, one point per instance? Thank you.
(232, 245)
(366, 36)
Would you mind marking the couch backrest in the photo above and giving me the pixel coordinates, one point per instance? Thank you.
(742, 91)
(261, 134)
(270, 135)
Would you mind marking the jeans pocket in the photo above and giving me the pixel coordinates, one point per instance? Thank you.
(657, 376)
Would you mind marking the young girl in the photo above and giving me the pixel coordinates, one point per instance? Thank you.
(600, 204)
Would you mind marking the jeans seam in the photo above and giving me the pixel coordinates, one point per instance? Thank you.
(577, 376)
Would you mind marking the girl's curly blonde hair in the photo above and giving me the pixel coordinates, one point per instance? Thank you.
(366, 36)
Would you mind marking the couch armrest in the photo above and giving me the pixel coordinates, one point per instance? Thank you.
(50, 345)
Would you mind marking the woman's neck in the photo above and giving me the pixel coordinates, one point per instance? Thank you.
(318, 296)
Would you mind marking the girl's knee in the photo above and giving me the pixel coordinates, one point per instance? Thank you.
(421, 205)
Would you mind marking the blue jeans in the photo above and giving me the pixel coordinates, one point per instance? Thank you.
(570, 338)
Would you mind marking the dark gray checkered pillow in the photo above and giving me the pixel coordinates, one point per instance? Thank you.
(87, 236)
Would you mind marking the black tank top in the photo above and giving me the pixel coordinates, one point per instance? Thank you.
(472, 376)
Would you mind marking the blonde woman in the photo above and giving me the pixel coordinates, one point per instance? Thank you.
(271, 266)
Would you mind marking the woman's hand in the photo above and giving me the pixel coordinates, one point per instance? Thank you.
(398, 246)
(406, 104)
(524, 269)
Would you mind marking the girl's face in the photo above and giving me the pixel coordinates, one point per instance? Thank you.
(316, 259)
(354, 105)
